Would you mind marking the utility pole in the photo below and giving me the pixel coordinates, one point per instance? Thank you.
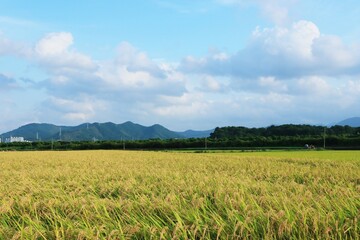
(123, 142)
(324, 137)
(205, 144)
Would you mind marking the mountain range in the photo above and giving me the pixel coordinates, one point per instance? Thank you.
(99, 131)
(112, 131)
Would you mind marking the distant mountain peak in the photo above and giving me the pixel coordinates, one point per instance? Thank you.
(352, 122)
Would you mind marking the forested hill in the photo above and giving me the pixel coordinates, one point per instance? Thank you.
(98, 131)
(287, 130)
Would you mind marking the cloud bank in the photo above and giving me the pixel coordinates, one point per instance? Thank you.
(283, 74)
(300, 50)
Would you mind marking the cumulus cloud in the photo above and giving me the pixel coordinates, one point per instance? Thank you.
(78, 109)
(209, 83)
(123, 82)
(313, 85)
(281, 72)
(272, 84)
(331, 52)
(189, 107)
(133, 70)
(136, 61)
(300, 50)
(185, 105)
(72, 72)
(54, 50)
(54, 44)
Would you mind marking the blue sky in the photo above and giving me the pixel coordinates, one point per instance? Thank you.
(183, 64)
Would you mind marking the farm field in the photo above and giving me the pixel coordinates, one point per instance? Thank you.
(164, 195)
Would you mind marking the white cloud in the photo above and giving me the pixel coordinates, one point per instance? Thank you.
(54, 44)
(272, 84)
(275, 100)
(81, 109)
(295, 42)
(281, 52)
(284, 74)
(133, 69)
(118, 77)
(122, 83)
(185, 105)
(211, 84)
(53, 51)
(134, 60)
(130, 75)
(314, 85)
(333, 53)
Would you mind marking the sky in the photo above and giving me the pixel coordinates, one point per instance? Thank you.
(184, 64)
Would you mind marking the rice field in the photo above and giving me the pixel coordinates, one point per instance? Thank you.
(173, 195)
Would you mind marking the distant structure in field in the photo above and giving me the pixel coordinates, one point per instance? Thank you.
(15, 139)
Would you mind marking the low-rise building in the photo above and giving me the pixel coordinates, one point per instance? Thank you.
(15, 139)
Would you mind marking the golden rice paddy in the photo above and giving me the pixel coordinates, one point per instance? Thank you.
(173, 195)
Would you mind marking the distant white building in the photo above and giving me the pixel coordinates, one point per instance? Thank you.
(15, 139)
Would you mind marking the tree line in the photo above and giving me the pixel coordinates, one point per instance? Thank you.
(286, 130)
(283, 136)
